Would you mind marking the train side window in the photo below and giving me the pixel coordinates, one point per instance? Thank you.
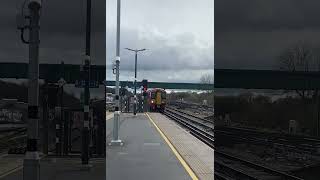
(163, 95)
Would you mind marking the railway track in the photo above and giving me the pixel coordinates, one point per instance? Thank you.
(298, 143)
(226, 166)
(192, 105)
(295, 143)
(231, 167)
(201, 129)
(205, 123)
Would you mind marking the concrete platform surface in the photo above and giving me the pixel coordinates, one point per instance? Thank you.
(64, 169)
(144, 156)
(197, 154)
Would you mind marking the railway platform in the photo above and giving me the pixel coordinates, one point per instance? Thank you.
(59, 169)
(154, 148)
(157, 148)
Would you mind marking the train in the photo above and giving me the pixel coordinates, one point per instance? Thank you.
(157, 99)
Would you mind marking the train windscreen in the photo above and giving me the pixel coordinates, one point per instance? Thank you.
(153, 95)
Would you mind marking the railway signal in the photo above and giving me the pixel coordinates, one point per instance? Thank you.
(144, 92)
(145, 85)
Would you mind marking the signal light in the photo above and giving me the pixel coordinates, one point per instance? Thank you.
(145, 84)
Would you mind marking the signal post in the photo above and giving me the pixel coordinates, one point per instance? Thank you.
(145, 95)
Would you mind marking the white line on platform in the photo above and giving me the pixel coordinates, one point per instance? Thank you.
(110, 116)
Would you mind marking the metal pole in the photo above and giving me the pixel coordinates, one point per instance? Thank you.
(318, 113)
(129, 103)
(62, 123)
(58, 127)
(69, 131)
(100, 130)
(116, 140)
(45, 119)
(85, 130)
(135, 84)
(145, 104)
(31, 163)
(85, 133)
(121, 104)
(60, 120)
(66, 133)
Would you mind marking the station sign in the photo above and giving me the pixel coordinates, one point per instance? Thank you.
(10, 116)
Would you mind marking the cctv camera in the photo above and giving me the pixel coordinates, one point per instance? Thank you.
(87, 58)
(21, 21)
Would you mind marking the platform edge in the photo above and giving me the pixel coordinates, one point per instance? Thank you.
(174, 150)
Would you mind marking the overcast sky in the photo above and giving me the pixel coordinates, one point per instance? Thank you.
(251, 34)
(62, 30)
(179, 36)
(62, 34)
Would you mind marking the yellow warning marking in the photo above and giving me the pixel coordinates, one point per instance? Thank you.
(19, 167)
(176, 153)
(11, 171)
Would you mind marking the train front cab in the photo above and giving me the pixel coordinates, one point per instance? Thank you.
(157, 101)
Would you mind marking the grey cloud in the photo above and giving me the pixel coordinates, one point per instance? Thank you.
(57, 16)
(260, 15)
(164, 53)
(252, 34)
(62, 32)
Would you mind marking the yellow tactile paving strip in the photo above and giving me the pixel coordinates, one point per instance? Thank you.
(10, 164)
(176, 153)
(198, 155)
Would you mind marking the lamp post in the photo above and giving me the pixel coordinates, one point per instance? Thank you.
(31, 162)
(115, 140)
(135, 77)
(86, 71)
